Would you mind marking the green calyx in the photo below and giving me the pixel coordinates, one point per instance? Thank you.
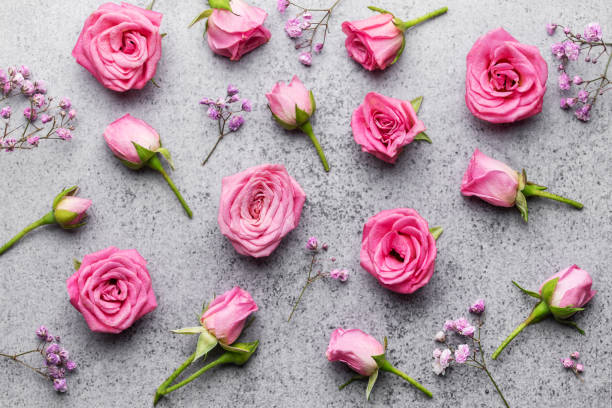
(436, 232)
(416, 105)
(71, 191)
(220, 4)
(201, 16)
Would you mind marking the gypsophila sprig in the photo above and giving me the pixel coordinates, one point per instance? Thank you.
(571, 363)
(309, 34)
(587, 91)
(462, 353)
(43, 118)
(226, 111)
(314, 249)
(56, 362)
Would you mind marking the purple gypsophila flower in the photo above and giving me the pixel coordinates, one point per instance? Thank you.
(572, 50)
(64, 133)
(6, 112)
(56, 372)
(462, 353)
(583, 96)
(550, 28)
(246, 105)
(44, 118)
(235, 122)
(564, 81)
(213, 113)
(312, 244)
(65, 103)
(575, 355)
(53, 349)
(305, 58)
(478, 307)
(53, 359)
(583, 113)
(567, 362)
(592, 32)
(558, 50)
(33, 141)
(293, 28)
(60, 385)
(232, 90)
(318, 47)
(42, 332)
(30, 114)
(282, 5)
(70, 365)
(38, 100)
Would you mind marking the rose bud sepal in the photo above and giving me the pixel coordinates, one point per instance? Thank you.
(214, 4)
(416, 105)
(206, 341)
(69, 211)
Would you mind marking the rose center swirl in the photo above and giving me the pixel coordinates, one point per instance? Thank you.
(503, 76)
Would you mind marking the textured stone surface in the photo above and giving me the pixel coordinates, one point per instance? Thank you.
(482, 248)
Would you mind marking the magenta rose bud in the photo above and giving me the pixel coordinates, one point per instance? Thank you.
(120, 46)
(71, 211)
(354, 348)
(490, 180)
(258, 207)
(384, 125)
(505, 80)
(227, 314)
(399, 249)
(237, 32)
(112, 289)
(292, 106)
(562, 295)
(573, 288)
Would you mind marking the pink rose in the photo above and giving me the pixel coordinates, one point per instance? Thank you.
(120, 45)
(226, 315)
(112, 289)
(490, 180)
(505, 80)
(258, 207)
(237, 32)
(121, 135)
(70, 211)
(383, 126)
(375, 42)
(285, 99)
(398, 249)
(573, 288)
(355, 348)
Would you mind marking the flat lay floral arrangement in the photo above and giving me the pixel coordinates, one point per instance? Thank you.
(261, 208)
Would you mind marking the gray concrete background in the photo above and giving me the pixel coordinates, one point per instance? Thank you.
(482, 248)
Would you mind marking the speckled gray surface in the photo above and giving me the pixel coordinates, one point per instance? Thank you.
(482, 248)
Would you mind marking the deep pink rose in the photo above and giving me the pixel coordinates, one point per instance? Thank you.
(383, 126)
(226, 315)
(237, 32)
(112, 289)
(573, 288)
(490, 180)
(398, 250)
(283, 99)
(355, 348)
(374, 42)
(258, 207)
(120, 45)
(505, 80)
(121, 135)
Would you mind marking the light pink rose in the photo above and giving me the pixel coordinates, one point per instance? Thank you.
(71, 211)
(573, 288)
(235, 33)
(490, 180)
(112, 289)
(398, 250)
(120, 45)
(227, 314)
(383, 126)
(355, 348)
(505, 80)
(258, 207)
(121, 135)
(374, 42)
(283, 99)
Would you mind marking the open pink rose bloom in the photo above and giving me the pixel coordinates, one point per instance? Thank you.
(354, 348)
(227, 314)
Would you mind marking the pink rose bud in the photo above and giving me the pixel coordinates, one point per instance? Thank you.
(235, 33)
(71, 211)
(355, 348)
(505, 80)
(285, 99)
(121, 135)
(120, 46)
(112, 289)
(490, 180)
(227, 314)
(573, 288)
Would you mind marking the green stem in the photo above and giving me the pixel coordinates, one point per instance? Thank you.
(308, 282)
(307, 128)
(47, 219)
(496, 387)
(386, 366)
(410, 23)
(221, 360)
(540, 312)
(212, 151)
(160, 390)
(155, 164)
(531, 190)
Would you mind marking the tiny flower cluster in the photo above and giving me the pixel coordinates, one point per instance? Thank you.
(572, 363)
(303, 23)
(223, 111)
(57, 359)
(569, 50)
(41, 111)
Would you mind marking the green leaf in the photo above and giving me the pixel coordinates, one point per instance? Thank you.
(220, 4)
(548, 289)
(423, 136)
(521, 205)
(528, 292)
(154, 83)
(416, 103)
(162, 35)
(239, 349)
(143, 153)
(571, 324)
(77, 264)
(312, 102)
(564, 312)
(301, 116)
(354, 378)
(190, 330)
(436, 232)
(164, 152)
(379, 10)
(201, 16)
(385, 343)
(66, 192)
(240, 357)
(401, 50)
(522, 180)
(371, 382)
(206, 342)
